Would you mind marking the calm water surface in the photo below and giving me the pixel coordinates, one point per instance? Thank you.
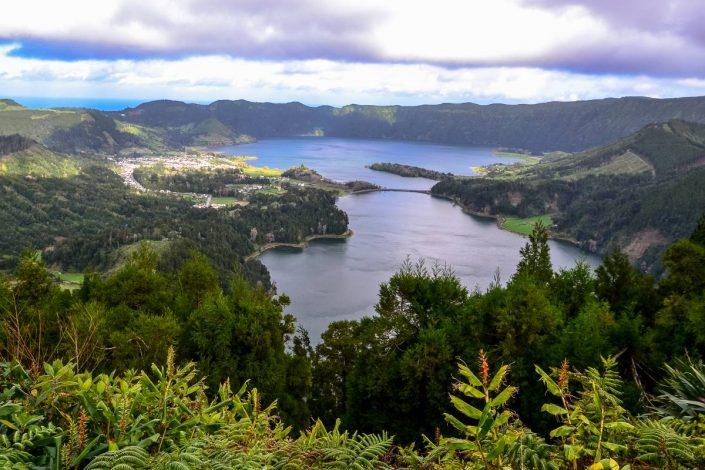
(339, 279)
(346, 159)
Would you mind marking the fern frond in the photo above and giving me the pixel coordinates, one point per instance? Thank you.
(132, 457)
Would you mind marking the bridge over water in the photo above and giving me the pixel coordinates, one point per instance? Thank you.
(379, 190)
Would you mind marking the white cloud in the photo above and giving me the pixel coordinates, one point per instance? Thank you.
(214, 77)
(557, 34)
(479, 32)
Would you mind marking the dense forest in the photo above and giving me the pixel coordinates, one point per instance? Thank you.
(89, 221)
(409, 171)
(548, 370)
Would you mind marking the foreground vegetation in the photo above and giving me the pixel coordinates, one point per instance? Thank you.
(166, 418)
(580, 369)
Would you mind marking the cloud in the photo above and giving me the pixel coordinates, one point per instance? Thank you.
(315, 81)
(659, 37)
(683, 18)
(367, 51)
(655, 37)
(265, 29)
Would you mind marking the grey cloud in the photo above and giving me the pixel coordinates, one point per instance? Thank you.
(654, 37)
(260, 29)
(684, 18)
(309, 29)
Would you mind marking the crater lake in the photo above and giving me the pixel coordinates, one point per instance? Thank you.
(334, 280)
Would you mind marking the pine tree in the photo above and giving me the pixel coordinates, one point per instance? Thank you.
(536, 257)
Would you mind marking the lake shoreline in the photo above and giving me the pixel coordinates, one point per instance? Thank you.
(301, 245)
(500, 218)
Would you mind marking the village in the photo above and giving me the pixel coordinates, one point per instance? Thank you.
(197, 160)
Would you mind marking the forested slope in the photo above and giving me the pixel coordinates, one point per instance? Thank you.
(638, 194)
(80, 221)
(71, 130)
(22, 156)
(539, 127)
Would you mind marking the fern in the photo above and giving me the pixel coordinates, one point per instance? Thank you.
(165, 421)
(24, 439)
(661, 445)
(358, 452)
(182, 459)
(530, 451)
(132, 457)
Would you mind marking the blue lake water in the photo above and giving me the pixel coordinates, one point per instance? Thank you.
(346, 159)
(339, 279)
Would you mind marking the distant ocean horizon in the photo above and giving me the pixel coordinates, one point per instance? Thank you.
(103, 104)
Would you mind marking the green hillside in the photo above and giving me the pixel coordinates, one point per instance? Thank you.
(38, 161)
(662, 149)
(638, 194)
(22, 156)
(69, 130)
(38, 124)
(10, 105)
(571, 126)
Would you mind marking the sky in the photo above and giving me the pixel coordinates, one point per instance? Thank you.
(363, 51)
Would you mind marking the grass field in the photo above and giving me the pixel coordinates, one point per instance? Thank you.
(227, 201)
(72, 278)
(195, 198)
(242, 162)
(525, 157)
(525, 226)
(261, 171)
(628, 163)
(69, 281)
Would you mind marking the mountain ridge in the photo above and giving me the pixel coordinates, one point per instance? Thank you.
(556, 125)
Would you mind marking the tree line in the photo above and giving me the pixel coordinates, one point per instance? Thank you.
(548, 370)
